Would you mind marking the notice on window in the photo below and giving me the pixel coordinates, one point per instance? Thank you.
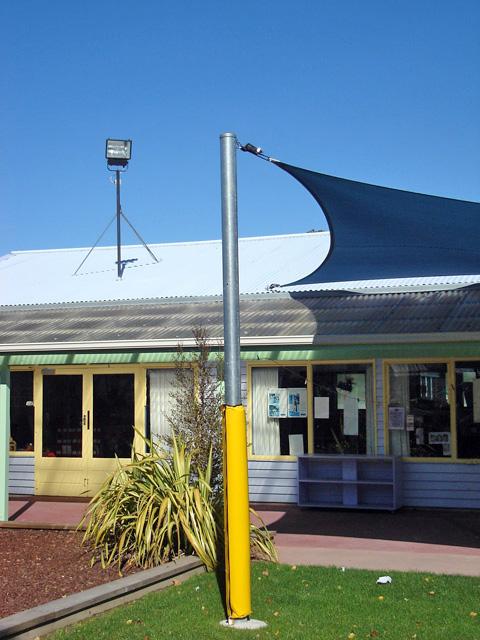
(295, 444)
(351, 385)
(439, 437)
(297, 402)
(476, 399)
(277, 403)
(321, 407)
(410, 422)
(350, 416)
(419, 436)
(396, 418)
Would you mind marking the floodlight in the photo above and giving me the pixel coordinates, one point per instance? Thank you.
(118, 152)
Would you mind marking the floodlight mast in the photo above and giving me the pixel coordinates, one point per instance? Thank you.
(118, 153)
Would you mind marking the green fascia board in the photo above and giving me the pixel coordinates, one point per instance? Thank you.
(368, 351)
(326, 352)
(86, 358)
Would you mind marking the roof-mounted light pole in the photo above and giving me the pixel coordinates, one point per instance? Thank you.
(118, 153)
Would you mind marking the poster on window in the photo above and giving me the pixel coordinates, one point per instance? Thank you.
(321, 407)
(351, 385)
(439, 437)
(277, 403)
(410, 422)
(350, 417)
(295, 444)
(297, 402)
(396, 418)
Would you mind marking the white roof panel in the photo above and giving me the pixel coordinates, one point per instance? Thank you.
(185, 269)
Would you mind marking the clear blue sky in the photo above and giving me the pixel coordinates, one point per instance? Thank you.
(382, 91)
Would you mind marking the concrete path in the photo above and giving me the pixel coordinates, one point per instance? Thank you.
(426, 540)
(381, 555)
(33, 513)
(436, 541)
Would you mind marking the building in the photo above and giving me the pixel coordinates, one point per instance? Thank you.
(360, 368)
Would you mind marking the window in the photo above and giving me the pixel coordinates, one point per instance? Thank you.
(113, 414)
(419, 410)
(343, 409)
(62, 430)
(279, 410)
(21, 411)
(159, 403)
(467, 376)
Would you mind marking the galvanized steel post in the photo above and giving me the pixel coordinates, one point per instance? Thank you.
(231, 315)
(119, 228)
(4, 440)
(235, 467)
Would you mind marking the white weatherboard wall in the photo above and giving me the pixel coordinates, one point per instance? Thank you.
(424, 484)
(441, 484)
(21, 475)
(272, 480)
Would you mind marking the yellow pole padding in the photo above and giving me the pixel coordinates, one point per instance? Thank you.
(237, 513)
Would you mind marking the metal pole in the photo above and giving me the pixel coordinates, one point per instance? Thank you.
(235, 464)
(119, 213)
(4, 440)
(228, 142)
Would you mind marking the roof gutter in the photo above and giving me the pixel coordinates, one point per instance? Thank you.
(245, 341)
(399, 338)
(169, 343)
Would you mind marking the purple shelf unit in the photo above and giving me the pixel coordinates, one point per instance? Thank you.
(350, 482)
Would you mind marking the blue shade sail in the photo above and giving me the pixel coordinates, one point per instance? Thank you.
(379, 233)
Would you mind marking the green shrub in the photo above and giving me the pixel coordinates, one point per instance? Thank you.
(158, 507)
(195, 416)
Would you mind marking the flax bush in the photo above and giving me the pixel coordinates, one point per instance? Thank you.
(158, 507)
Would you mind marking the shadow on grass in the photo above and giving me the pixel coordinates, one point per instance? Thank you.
(220, 572)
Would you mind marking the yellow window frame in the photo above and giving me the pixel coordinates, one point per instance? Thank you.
(450, 379)
(308, 364)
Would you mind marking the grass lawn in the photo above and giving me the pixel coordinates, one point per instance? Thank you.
(306, 602)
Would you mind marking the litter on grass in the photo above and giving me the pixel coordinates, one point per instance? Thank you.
(384, 580)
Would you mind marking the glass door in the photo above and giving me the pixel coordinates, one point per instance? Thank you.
(87, 424)
(60, 466)
(112, 417)
(62, 417)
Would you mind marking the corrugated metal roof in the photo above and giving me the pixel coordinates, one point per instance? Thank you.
(392, 285)
(185, 269)
(315, 316)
